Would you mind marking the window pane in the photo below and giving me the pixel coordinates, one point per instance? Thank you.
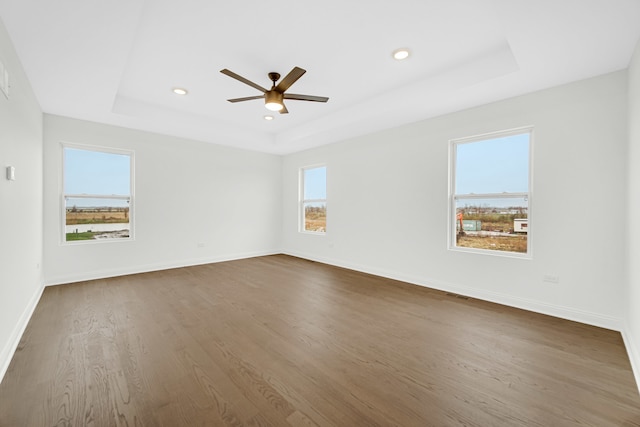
(96, 172)
(88, 219)
(315, 217)
(315, 183)
(494, 224)
(493, 166)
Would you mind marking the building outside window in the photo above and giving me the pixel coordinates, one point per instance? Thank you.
(97, 198)
(490, 193)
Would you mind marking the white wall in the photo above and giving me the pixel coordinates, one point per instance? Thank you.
(186, 193)
(387, 203)
(632, 336)
(20, 204)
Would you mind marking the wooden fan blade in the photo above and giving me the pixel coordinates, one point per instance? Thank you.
(243, 80)
(284, 109)
(305, 97)
(290, 79)
(247, 98)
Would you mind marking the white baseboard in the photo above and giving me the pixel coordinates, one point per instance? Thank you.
(12, 343)
(633, 352)
(568, 313)
(114, 272)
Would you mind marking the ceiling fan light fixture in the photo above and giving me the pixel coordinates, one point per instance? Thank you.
(273, 106)
(400, 54)
(273, 101)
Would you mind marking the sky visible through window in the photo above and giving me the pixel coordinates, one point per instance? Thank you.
(99, 173)
(493, 166)
(315, 183)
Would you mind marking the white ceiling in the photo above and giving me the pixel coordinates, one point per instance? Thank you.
(116, 61)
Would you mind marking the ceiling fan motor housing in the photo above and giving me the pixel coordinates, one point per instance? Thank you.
(273, 99)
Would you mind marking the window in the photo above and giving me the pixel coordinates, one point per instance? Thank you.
(490, 196)
(313, 199)
(97, 199)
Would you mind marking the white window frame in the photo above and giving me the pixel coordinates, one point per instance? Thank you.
(303, 201)
(64, 196)
(453, 198)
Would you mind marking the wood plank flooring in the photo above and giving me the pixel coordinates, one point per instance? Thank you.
(280, 341)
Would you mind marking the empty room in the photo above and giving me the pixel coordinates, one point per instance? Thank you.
(289, 213)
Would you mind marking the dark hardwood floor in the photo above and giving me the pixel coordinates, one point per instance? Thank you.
(279, 341)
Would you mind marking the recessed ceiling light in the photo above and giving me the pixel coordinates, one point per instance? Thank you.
(179, 91)
(400, 54)
(268, 117)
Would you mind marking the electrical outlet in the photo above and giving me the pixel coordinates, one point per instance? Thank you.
(551, 278)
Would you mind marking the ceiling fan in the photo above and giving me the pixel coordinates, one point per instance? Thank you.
(274, 97)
